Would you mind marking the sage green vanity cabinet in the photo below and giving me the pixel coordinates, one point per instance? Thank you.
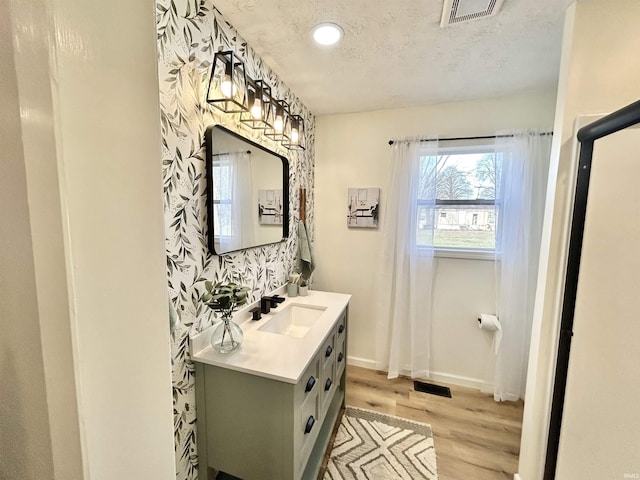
(258, 428)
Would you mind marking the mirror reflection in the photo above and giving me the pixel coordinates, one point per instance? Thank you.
(247, 192)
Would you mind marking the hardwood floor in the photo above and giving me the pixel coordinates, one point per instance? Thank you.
(475, 437)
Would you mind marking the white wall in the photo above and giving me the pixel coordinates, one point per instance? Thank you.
(88, 364)
(352, 151)
(110, 138)
(24, 451)
(599, 74)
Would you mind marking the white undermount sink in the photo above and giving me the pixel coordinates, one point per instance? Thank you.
(295, 320)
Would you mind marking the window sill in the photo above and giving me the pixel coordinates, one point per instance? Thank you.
(489, 255)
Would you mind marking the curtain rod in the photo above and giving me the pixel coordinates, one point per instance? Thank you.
(248, 152)
(486, 137)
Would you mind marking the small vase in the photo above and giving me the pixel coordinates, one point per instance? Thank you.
(227, 336)
(303, 291)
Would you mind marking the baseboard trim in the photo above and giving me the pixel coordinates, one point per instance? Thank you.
(435, 376)
(457, 380)
(361, 362)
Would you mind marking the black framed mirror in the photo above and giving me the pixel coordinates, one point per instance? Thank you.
(247, 193)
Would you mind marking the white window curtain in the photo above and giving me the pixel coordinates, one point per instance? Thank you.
(403, 323)
(520, 201)
(242, 211)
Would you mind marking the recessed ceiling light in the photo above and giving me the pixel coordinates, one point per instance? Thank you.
(327, 33)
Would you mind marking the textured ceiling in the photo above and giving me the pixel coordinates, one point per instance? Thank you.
(394, 53)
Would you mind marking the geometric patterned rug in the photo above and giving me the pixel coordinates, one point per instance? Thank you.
(374, 446)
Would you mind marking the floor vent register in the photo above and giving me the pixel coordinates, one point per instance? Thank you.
(425, 387)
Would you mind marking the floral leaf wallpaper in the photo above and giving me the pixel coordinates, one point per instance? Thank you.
(189, 32)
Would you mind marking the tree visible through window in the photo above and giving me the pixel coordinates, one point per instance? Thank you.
(463, 215)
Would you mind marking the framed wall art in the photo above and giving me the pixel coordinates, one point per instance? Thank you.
(270, 211)
(363, 207)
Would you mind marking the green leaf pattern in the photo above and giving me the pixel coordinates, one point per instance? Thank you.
(189, 32)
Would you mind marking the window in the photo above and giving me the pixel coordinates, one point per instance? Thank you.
(463, 216)
(222, 188)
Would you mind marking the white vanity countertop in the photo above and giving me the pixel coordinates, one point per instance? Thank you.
(271, 355)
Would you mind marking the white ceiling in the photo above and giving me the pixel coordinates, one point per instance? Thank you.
(394, 53)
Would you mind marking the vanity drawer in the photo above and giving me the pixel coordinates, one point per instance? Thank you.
(327, 352)
(327, 384)
(341, 327)
(341, 358)
(310, 381)
(310, 423)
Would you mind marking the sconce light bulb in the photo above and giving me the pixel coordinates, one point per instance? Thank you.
(294, 135)
(227, 88)
(278, 124)
(256, 109)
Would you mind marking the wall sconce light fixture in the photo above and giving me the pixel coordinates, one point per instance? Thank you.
(260, 113)
(228, 83)
(232, 91)
(297, 134)
(281, 130)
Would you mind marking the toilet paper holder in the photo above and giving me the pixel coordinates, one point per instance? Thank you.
(491, 324)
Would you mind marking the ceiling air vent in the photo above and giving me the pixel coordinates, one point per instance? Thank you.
(457, 11)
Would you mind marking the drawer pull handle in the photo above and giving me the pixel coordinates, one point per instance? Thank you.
(310, 384)
(327, 384)
(341, 328)
(340, 357)
(309, 425)
(329, 351)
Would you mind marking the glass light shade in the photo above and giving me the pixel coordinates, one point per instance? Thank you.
(228, 83)
(297, 138)
(259, 115)
(281, 129)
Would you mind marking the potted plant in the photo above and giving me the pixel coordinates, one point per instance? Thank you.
(303, 289)
(224, 299)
